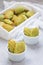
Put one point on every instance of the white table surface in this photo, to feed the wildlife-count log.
(34, 55)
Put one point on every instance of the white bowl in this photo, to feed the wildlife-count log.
(31, 40)
(17, 57)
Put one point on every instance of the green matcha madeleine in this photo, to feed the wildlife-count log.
(27, 31)
(24, 13)
(11, 45)
(8, 14)
(7, 27)
(8, 21)
(1, 17)
(30, 13)
(15, 20)
(21, 18)
(20, 9)
(14, 17)
(35, 32)
(20, 47)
